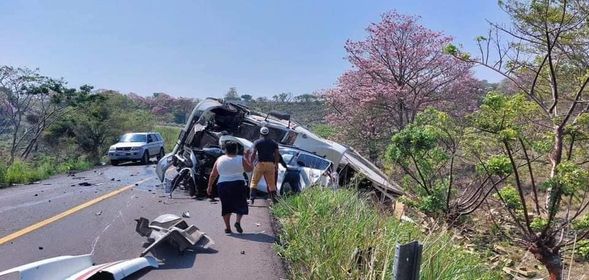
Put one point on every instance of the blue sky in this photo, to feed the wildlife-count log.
(201, 48)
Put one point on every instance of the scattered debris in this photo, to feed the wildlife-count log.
(521, 272)
(174, 230)
(99, 213)
(36, 194)
(50, 200)
(79, 267)
(258, 224)
(243, 252)
(186, 214)
(118, 180)
(112, 179)
(100, 173)
(85, 184)
(40, 248)
(136, 184)
(500, 249)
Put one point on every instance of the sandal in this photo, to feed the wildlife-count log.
(228, 230)
(238, 227)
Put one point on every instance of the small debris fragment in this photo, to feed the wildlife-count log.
(258, 224)
(72, 185)
(85, 184)
(159, 201)
(118, 180)
(50, 200)
(36, 194)
(243, 252)
(112, 179)
(99, 213)
(186, 214)
(40, 248)
(136, 184)
(100, 173)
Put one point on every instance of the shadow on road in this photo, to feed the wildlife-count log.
(256, 237)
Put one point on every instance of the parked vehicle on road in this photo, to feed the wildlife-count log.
(137, 146)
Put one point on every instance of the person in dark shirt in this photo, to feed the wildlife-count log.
(266, 152)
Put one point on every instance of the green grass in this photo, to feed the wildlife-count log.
(170, 134)
(322, 230)
(21, 172)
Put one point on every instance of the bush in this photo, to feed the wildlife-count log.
(336, 235)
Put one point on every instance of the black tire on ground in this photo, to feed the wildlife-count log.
(160, 155)
(286, 189)
(114, 162)
(145, 158)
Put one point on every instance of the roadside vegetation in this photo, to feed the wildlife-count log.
(170, 134)
(326, 234)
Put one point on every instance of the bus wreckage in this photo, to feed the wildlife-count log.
(214, 121)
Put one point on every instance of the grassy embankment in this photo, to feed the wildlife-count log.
(21, 172)
(170, 134)
(328, 234)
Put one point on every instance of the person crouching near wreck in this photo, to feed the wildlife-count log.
(267, 154)
(231, 186)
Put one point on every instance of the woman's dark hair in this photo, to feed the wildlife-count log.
(231, 148)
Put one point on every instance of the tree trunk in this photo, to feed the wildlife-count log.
(555, 159)
(550, 259)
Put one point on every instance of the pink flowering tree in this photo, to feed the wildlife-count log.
(397, 71)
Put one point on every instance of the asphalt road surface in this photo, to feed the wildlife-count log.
(94, 211)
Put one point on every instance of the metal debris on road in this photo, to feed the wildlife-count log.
(186, 214)
(243, 252)
(99, 213)
(173, 230)
(79, 267)
(85, 184)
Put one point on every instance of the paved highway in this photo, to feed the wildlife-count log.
(94, 211)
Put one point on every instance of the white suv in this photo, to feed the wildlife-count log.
(138, 146)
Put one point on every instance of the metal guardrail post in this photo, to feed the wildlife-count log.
(407, 261)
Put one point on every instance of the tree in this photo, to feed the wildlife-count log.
(429, 154)
(247, 98)
(305, 98)
(397, 71)
(30, 103)
(99, 123)
(232, 95)
(545, 56)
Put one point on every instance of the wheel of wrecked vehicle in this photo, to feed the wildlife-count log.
(160, 155)
(114, 162)
(145, 159)
(286, 189)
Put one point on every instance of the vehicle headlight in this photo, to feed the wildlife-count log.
(136, 148)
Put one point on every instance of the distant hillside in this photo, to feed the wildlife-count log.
(308, 113)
